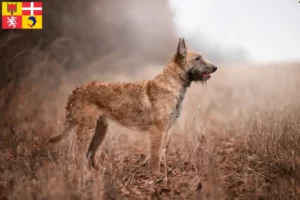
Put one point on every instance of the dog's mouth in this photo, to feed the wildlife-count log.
(198, 76)
(205, 76)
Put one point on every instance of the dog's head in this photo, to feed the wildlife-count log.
(194, 65)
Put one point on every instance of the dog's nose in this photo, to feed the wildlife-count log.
(214, 68)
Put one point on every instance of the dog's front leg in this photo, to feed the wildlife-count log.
(156, 138)
(165, 145)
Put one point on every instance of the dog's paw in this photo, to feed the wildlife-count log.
(146, 160)
(93, 165)
(96, 166)
(156, 174)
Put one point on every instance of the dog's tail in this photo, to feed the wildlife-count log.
(59, 137)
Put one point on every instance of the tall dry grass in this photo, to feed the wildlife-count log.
(237, 138)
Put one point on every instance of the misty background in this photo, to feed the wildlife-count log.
(101, 40)
(257, 31)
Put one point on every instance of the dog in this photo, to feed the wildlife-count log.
(150, 106)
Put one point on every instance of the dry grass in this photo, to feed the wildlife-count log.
(238, 138)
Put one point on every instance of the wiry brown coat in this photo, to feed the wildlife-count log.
(151, 106)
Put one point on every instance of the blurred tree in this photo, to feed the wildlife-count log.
(75, 32)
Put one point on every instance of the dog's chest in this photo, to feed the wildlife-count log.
(176, 107)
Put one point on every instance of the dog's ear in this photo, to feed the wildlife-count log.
(181, 49)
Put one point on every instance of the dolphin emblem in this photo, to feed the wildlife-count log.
(33, 19)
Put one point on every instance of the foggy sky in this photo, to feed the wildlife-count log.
(269, 30)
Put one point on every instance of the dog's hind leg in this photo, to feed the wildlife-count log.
(97, 139)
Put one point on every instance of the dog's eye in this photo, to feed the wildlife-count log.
(198, 58)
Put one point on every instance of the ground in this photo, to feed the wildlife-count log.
(237, 138)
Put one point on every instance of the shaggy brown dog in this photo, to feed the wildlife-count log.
(151, 106)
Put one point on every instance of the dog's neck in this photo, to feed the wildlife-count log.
(176, 82)
(172, 71)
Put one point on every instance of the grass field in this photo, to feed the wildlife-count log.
(237, 138)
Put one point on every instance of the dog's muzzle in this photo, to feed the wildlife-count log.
(214, 68)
